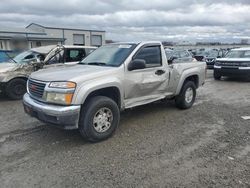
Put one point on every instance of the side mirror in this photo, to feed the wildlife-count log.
(171, 60)
(137, 64)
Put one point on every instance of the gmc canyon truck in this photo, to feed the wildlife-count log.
(90, 95)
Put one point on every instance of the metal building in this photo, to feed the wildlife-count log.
(35, 35)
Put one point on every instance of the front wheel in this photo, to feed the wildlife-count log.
(99, 119)
(16, 88)
(217, 76)
(187, 96)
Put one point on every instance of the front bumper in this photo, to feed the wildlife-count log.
(210, 65)
(66, 117)
(232, 72)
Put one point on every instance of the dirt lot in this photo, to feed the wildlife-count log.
(156, 145)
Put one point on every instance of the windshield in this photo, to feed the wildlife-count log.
(109, 55)
(25, 56)
(211, 53)
(238, 54)
(169, 53)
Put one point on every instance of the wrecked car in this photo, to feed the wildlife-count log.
(15, 72)
(90, 95)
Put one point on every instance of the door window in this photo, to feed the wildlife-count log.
(73, 55)
(151, 55)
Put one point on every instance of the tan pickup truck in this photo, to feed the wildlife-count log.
(90, 95)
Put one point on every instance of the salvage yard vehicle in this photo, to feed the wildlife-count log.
(90, 95)
(15, 72)
(180, 56)
(212, 55)
(235, 64)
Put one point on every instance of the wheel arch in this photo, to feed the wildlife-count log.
(110, 92)
(190, 77)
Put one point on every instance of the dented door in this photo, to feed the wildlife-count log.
(146, 85)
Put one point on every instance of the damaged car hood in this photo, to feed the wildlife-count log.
(5, 67)
(72, 73)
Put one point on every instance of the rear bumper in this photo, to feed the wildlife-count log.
(66, 117)
(232, 72)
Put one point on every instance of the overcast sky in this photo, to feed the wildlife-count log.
(169, 20)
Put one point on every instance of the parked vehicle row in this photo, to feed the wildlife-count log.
(15, 72)
(90, 95)
(76, 88)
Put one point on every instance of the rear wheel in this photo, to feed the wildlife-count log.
(16, 88)
(187, 96)
(99, 119)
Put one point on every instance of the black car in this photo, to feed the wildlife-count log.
(211, 55)
(235, 64)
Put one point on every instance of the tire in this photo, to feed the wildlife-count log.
(16, 88)
(92, 130)
(183, 102)
(217, 76)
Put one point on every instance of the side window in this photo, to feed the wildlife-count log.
(31, 56)
(73, 55)
(151, 55)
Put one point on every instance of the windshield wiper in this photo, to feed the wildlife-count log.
(10, 57)
(98, 64)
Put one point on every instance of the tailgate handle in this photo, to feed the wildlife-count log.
(159, 72)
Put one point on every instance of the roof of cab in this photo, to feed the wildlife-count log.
(241, 49)
(138, 42)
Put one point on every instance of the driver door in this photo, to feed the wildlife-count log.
(56, 60)
(149, 84)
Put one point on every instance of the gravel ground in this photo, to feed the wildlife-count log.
(156, 145)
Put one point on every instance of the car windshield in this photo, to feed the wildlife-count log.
(109, 55)
(211, 53)
(238, 54)
(169, 53)
(24, 57)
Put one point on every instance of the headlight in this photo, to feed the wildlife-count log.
(63, 93)
(59, 98)
(63, 85)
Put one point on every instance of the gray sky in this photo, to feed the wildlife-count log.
(171, 20)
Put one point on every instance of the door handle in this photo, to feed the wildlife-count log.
(159, 72)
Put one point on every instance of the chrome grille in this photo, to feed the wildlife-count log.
(36, 88)
(231, 64)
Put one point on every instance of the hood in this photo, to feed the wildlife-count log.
(234, 59)
(5, 67)
(71, 73)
